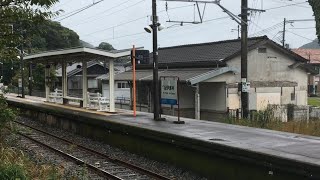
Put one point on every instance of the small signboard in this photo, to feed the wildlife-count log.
(169, 90)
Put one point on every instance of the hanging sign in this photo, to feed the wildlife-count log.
(169, 90)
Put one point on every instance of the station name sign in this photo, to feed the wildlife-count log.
(169, 90)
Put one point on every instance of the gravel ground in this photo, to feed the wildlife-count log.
(162, 168)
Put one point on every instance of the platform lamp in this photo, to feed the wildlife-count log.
(153, 28)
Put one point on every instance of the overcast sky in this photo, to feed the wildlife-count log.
(108, 22)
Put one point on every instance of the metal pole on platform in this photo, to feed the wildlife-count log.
(156, 112)
(134, 81)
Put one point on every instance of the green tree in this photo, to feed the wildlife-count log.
(6, 114)
(315, 4)
(105, 46)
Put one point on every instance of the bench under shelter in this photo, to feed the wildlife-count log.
(64, 57)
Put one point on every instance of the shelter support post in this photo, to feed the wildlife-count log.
(64, 80)
(111, 86)
(47, 78)
(197, 102)
(84, 83)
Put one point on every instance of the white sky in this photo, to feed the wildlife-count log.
(95, 24)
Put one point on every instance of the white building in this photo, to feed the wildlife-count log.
(210, 73)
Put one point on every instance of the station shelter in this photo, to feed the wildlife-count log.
(64, 57)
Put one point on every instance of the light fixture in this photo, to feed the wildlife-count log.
(161, 27)
(148, 29)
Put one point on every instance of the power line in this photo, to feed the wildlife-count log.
(304, 28)
(267, 30)
(118, 25)
(300, 35)
(284, 2)
(135, 34)
(130, 21)
(63, 4)
(80, 10)
(95, 19)
(285, 6)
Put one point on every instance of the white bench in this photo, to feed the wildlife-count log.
(67, 99)
(96, 101)
(56, 96)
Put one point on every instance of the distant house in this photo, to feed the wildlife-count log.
(74, 73)
(313, 57)
(209, 74)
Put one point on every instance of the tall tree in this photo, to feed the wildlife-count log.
(17, 19)
(315, 4)
(106, 46)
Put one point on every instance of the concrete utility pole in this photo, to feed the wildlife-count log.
(22, 67)
(285, 21)
(156, 94)
(284, 33)
(244, 58)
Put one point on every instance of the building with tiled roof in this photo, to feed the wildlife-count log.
(209, 74)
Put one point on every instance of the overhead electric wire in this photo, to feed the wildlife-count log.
(130, 21)
(100, 13)
(80, 10)
(63, 4)
(300, 35)
(266, 30)
(135, 34)
(304, 28)
(95, 19)
(285, 2)
(285, 6)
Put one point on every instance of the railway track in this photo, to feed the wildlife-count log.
(98, 163)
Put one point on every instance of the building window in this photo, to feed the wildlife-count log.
(74, 84)
(262, 50)
(123, 85)
(92, 83)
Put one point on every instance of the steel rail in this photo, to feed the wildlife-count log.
(75, 159)
(114, 160)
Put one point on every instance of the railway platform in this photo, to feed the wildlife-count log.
(213, 149)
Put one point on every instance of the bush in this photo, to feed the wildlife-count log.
(6, 114)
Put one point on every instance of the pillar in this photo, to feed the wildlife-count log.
(46, 78)
(64, 79)
(111, 87)
(197, 102)
(84, 83)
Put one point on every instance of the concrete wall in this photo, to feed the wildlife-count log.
(118, 92)
(213, 96)
(273, 66)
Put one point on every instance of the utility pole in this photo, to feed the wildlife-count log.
(284, 33)
(21, 71)
(285, 21)
(244, 59)
(156, 95)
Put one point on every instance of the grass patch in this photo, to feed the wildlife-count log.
(311, 127)
(314, 101)
(15, 165)
(266, 120)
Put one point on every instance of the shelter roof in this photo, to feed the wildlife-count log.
(76, 55)
(187, 75)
